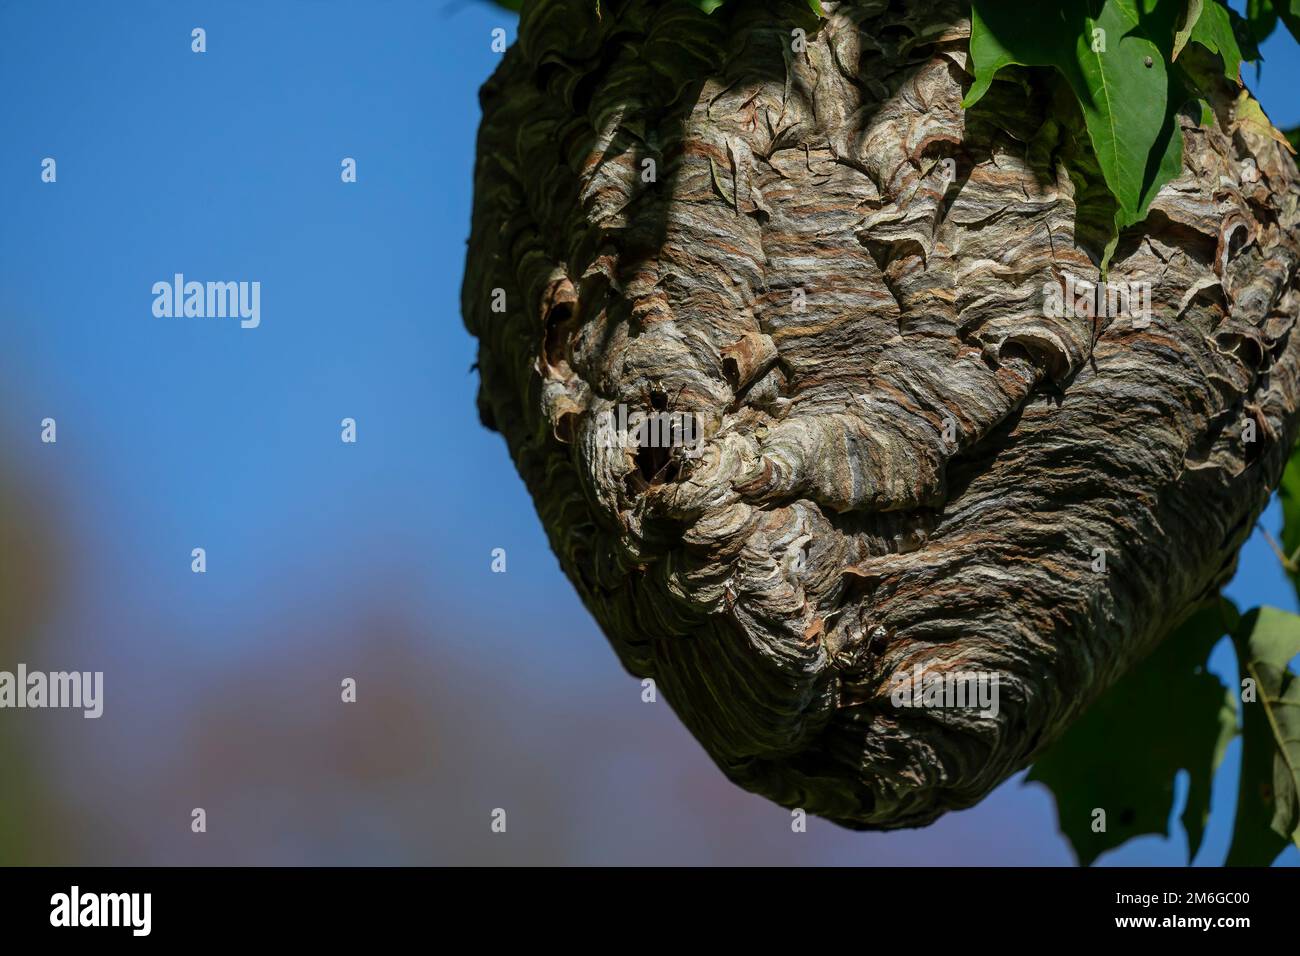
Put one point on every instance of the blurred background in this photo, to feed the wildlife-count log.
(326, 560)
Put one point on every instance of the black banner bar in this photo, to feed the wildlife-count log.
(209, 905)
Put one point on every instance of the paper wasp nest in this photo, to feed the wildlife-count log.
(914, 444)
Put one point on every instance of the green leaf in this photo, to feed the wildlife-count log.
(1126, 103)
(1268, 801)
(1262, 18)
(1242, 30)
(1289, 11)
(1288, 493)
(1207, 114)
(1213, 30)
(1190, 18)
(1293, 136)
(1122, 756)
(1249, 116)
(1258, 25)
(1169, 147)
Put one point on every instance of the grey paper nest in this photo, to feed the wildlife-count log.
(840, 275)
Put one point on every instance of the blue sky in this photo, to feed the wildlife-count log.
(176, 434)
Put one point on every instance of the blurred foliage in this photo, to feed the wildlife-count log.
(25, 591)
(1268, 801)
(1167, 714)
